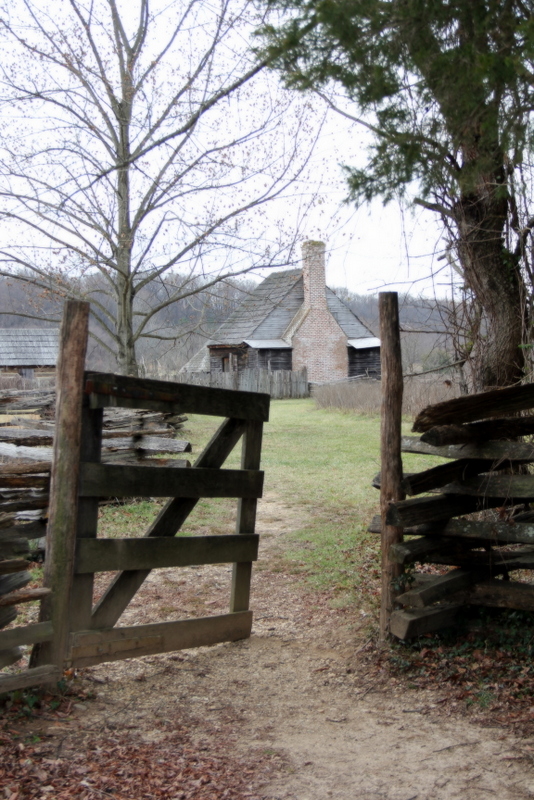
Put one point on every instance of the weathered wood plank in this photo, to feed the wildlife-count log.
(474, 432)
(246, 518)
(30, 438)
(30, 677)
(21, 452)
(138, 434)
(440, 476)
(10, 565)
(81, 606)
(63, 513)
(490, 451)
(7, 615)
(479, 406)
(27, 634)
(24, 481)
(109, 480)
(498, 561)
(170, 519)
(94, 647)
(11, 656)
(10, 583)
(500, 594)
(489, 531)
(175, 397)
(520, 487)
(149, 444)
(10, 548)
(25, 504)
(441, 587)
(27, 531)
(24, 596)
(25, 469)
(494, 532)
(99, 555)
(391, 486)
(408, 623)
(440, 506)
(6, 521)
(408, 552)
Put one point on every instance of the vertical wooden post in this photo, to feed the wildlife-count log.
(63, 509)
(246, 517)
(81, 605)
(390, 444)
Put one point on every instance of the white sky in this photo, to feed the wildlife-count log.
(370, 249)
(373, 248)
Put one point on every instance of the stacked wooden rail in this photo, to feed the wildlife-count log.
(26, 447)
(487, 471)
(14, 579)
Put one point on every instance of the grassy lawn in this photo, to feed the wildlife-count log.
(324, 461)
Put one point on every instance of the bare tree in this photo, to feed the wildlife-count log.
(141, 141)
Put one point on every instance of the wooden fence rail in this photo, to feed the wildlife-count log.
(484, 471)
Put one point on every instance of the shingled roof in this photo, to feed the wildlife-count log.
(28, 347)
(267, 313)
(263, 313)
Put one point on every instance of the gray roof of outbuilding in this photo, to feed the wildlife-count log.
(267, 313)
(261, 313)
(28, 347)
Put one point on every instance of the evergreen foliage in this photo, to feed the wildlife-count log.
(446, 87)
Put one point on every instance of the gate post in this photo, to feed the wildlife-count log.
(390, 445)
(63, 509)
(246, 516)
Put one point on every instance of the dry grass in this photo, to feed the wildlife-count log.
(364, 396)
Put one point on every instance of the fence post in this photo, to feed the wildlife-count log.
(246, 516)
(390, 445)
(63, 509)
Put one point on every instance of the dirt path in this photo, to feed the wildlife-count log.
(293, 699)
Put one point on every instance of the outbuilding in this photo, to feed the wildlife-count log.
(25, 351)
(290, 321)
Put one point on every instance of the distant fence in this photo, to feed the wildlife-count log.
(280, 384)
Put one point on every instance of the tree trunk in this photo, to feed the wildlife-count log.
(126, 358)
(492, 273)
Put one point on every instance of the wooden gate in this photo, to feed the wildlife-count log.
(83, 633)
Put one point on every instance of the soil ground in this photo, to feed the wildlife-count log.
(297, 708)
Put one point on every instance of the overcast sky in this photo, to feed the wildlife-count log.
(373, 248)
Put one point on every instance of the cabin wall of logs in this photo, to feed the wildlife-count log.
(471, 517)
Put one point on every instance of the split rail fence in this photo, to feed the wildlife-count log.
(72, 630)
(473, 514)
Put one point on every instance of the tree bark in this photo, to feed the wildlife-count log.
(492, 273)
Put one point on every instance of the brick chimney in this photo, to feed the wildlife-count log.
(313, 273)
(318, 342)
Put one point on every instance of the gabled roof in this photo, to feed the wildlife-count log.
(29, 347)
(267, 315)
(260, 315)
(269, 310)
